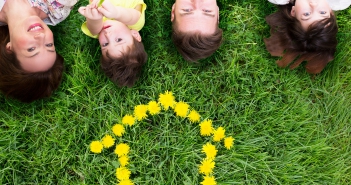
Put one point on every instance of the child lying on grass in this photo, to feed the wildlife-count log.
(304, 30)
(116, 23)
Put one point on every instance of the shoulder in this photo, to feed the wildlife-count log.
(280, 2)
(339, 4)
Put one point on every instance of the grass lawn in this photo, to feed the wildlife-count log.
(289, 127)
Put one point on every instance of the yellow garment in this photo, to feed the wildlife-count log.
(126, 4)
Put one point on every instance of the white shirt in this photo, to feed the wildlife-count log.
(334, 4)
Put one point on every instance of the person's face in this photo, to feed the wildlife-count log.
(115, 38)
(33, 43)
(309, 11)
(196, 15)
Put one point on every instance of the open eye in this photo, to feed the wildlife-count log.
(307, 14)
(104, 44)
(31, 49)
(323, 12)
(118, 39)
(207, 11)
(49, 45)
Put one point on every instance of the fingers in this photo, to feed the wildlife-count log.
(103, 11)
(81, 10)
(94, 3)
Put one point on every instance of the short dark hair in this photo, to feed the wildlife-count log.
(316, 45)
(20, 84)
(125, 70)
(194, 46)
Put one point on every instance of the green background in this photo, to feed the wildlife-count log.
(290, 127)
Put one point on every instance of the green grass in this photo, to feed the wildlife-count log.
(289, 127)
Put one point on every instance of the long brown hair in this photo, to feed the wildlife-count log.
(316, 45)
(20, 84)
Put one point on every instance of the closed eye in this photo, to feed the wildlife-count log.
(186, 10)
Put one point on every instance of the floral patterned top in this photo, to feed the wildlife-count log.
(57, 10)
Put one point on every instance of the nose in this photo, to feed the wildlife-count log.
(39, 35)
(313, 3)
(107, 33)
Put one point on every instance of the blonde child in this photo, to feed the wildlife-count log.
(116, 23)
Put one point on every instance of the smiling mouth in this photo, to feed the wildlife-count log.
(105, 27)
(35, 27)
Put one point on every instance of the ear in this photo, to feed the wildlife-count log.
(172, 12)
(218, 15)
(136, 35)
(8, 47)
(293, 13)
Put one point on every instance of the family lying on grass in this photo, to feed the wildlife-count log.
(31, 69)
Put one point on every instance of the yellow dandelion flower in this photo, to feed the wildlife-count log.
(122, 149)
(125, 182)
(218, 134)
(108, 141)
(209, 180)
(210, 150)
(207, 166)
(122, 173)
(118, 129)
(123, 160)
(128, 120)
(153, 107)
(140, 112)
(167, 100)
(181, 109)
(228, 142)
(96, 147)
(206, 128)
(194, 116)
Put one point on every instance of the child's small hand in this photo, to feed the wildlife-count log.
(90, 12)
(108, 10)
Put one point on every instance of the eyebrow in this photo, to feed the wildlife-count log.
(53, 51)
(188, 13)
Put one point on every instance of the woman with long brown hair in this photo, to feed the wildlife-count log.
(30, 68)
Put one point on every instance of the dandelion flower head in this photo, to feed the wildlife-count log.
(206, 128)
(126, 182)
(108, 141)
(140, 112)
(118, 130)
(210, 150)
(209, 180)
(228, 142)
(207, 166)
(128, 120)
(167, 100)
(122, 173)
(96, 147)
(181, 109)
(122, 149)
(153, 107)
(123, 160)
(194, 116)
(218, 134)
